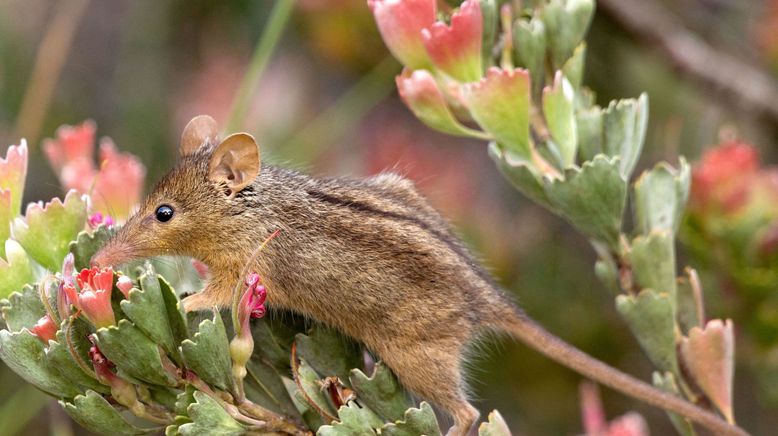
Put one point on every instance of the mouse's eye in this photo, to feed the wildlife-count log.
(164, 213)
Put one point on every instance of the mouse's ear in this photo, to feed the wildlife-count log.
(199, 131)
(235, 161)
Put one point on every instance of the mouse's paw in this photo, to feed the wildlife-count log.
(198, 301)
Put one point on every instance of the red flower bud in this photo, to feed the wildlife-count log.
(45, 329)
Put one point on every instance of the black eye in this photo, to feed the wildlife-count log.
(164, 213)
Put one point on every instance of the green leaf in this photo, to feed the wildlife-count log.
(650, 318)
(175, 311)
(208, 353)
(495, 426)
(667, 383)
(16, 271)
(208, 417)
(381, 392)
(146, 308)
(574, 67)
(352, 420)
(265, 386)
(24, 310)
(500, 104)
(87, 243)
(624, 130)
(184, 399)
(329, 353)
(46, 231)
(520, 174)
(134, 353)
(416, 422)
(529, 43)
(310, 385)
(311, 417)
(689, 301)
(592, 198)
(660, 197)
(94, 413)
(566, 24)
(25, 355)
(558, 104)
(272, 342)
(653, 262)
(590, 135)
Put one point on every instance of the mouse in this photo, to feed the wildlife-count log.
(369, 257)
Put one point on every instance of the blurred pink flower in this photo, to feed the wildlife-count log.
(722, 179)
(115, 186)
(400, 23)
(73, 142)
(252, 303)
(92, 295)
(45, 329)
(594, 421)
(456, 49)
(98, 218)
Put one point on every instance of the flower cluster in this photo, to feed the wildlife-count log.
(115, 184)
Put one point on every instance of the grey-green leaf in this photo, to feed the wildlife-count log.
(134, 353)
(624, 130)
(653, 262)
(381, 392)
(24, 309)
(520, 174)
(558, 105)
(660, 197)
(592, 198)
(415, 422)
(650, 318)
(146, 308)
(208, 417)
(208, 353)
(328, 352)
(25, 354)
(352, 420)
(86, 245)
(94, 413)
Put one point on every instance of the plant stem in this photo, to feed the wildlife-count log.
(274, 27)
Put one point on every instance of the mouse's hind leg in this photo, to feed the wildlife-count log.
(432, 370)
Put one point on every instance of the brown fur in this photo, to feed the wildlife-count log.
(368, 257)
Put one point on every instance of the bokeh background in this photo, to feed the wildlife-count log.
(327, 104)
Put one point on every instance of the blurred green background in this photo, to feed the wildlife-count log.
(327, 104)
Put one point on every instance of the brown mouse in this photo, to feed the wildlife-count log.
(369, 257)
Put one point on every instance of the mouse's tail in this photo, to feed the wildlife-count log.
(535, 336)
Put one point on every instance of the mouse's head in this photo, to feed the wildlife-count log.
(195, 207)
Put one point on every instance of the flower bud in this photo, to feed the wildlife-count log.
(125, 285)
(45, 329)
(456, 49)
(400, 23)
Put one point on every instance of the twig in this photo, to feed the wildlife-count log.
(49, 60)
(747, 85)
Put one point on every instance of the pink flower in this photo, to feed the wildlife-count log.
(45, 329)
(13, 173)
(93, 296)
(595, 424)
(456, 49)
(400, 23)
(119, 183)
(97, 218)
(72, 143)
(115, 186)
(125, 285)
(252, 303)
(423, 96)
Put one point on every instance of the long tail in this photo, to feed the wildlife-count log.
(535, 336)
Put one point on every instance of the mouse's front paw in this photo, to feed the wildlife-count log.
(196, 302)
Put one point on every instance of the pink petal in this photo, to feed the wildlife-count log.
(125, 285)
(119, 184)
(630, 424)
(456, 49)
(400, 23)
(708, 354)
(96, 305)
(591, 409)
(72, 142)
